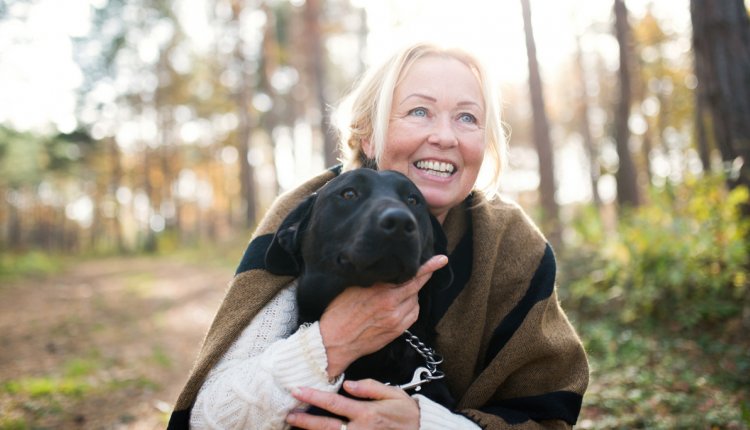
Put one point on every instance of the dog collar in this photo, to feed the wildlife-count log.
(423, 374)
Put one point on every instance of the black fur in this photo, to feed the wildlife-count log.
(363, 227)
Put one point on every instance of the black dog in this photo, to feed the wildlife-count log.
(363, 227)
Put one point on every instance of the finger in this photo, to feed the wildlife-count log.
(330, 402)
(433, 264)
(373, 390)
(424, 273)
(312, 422)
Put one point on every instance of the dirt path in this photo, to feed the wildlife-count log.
(106, 344)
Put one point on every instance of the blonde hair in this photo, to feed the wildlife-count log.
(363, 114)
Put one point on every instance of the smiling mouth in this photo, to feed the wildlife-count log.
(437, 168)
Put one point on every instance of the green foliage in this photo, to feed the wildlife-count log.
(10, 423)
(658, 302)
(161, 358)
(22, 158)
(82, 367)
(25, 158)
(29, 400)
(75, 380)
(33, 263)
(681, 259)
(662, 380)
(47, 386)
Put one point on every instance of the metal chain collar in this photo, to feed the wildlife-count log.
(430, 372)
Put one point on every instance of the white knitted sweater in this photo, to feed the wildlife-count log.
(249, 388)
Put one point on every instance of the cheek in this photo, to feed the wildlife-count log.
(397, 154)
(474, 153)
(403, 137)
(394, 162)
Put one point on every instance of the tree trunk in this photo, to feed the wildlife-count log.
(541, 134)
(588, 141)
(316, 61)
(721, 43)
(701, 136)
(150, 244)
(242, 98)
(115, 181)
(14, 226)
(247, 174)
(4, 220)
(627, 183)
(270, 61)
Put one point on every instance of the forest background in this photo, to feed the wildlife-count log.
(141, 141)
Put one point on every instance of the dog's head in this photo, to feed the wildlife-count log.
(362, 227)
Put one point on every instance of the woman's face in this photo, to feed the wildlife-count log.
(436, 131)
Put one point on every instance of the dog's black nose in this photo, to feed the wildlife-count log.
(397, 221)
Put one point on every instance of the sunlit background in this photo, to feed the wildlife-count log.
(39, 76)
(142, 140)
(41, 79)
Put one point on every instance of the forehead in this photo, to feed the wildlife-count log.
(437, 76)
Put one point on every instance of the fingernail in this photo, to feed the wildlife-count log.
(296, 391)
(350, 384)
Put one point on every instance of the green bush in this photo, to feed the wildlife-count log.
(33, 263)
(682, 258)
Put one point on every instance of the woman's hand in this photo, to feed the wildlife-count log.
(360, 321)
(384, 407)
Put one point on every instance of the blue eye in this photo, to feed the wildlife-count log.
(420, 112)
(468, 118)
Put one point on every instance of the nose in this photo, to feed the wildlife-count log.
(443, 133)
(397, 221)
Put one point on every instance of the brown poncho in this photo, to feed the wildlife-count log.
(512, 359)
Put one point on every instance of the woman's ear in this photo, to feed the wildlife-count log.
(367, 148)
(367, 155)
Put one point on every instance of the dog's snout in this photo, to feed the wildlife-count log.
(397, 221)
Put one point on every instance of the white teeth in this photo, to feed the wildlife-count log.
(436, 167)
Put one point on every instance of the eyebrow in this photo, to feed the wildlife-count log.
(433, 99)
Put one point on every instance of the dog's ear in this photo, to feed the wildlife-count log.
(443, 277)
(284, 254)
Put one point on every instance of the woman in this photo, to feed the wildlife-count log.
(511, 357)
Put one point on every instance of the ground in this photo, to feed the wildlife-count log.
(105, 344)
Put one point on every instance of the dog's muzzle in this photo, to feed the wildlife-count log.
(397, 222)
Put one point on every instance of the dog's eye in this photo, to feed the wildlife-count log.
(349, 194)
(412, 200)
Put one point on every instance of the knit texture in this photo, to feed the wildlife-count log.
(434, 416)
(512, 359)
(250, 386)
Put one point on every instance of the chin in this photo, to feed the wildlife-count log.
(438, 202)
